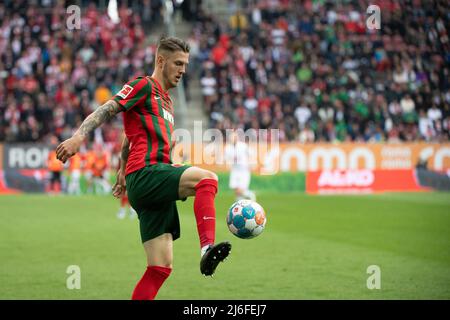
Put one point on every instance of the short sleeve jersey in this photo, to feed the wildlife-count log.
(148, 122)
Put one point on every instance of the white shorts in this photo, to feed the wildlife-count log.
(75, 175)
(240, 179)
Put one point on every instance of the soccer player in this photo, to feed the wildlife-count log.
(75, 174)
(55, 168)
(89, 159)
(152, 182)
(237, 156)
(99, 169)
(97, 164)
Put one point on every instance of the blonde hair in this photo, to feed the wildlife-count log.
(172, 44)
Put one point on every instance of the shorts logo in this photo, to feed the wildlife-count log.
(126, 90)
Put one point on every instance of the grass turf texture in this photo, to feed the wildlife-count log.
(314, 247)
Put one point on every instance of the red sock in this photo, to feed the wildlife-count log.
(151, 281)
(205, 212)
(123, 200)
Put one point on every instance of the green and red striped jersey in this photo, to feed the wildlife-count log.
(148, 122)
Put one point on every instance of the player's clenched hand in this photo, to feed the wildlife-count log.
(119, 188)
(68, 148)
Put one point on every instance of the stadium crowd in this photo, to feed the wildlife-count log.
(315, 71)
(309, 68)
(52, 76)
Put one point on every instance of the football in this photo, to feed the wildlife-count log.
(246, 219)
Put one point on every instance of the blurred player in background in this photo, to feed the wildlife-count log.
(89, 159)
(100, 169)
(237, 155)
(55, 167)
(97, 170)
(75, 168)
(152, 181)
(124, 205)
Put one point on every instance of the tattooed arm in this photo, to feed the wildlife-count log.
(118, 188)
(96, 118)
(103, 113)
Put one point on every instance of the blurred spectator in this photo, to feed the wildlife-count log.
(238, 22)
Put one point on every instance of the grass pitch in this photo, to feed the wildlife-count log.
(314, 247)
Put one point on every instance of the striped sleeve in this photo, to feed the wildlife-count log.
(132, 94)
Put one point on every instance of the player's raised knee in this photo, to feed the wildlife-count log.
(209, 175)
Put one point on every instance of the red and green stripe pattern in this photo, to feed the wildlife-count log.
(147, 123)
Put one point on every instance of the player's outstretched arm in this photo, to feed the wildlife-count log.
(102, 114)
(119, 187)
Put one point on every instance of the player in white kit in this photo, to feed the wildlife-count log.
(238, 158)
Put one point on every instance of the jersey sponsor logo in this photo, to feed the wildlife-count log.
(126, 90)
(167, 116)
